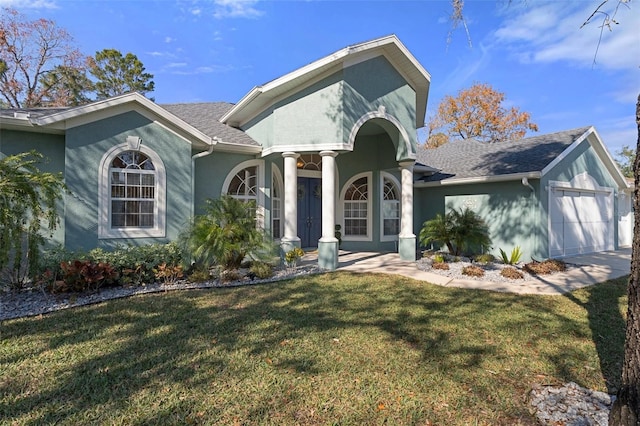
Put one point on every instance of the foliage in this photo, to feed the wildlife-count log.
(66, 86)
(28, 51)
(458, 229)
(485, 258)
(28, 200)
(547, 266)
(168, 274)
(478, 113)
(626, 158)
(512, 259)
(117, 74)
(440, 265)
(225, 234)
(261, 270)
(83, 275)
(435, 140)
(473, 271)
(438, 258)
(511, 273)
(292, 256)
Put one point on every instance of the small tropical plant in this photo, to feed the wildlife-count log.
(261, 270)
(458, 230)
(169, 274)
(292, 256)
(512, 273)
(512, 259)
(473, 271)
(225, 234)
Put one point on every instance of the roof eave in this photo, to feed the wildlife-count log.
(479, 179)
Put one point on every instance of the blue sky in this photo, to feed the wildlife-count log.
(532, 50)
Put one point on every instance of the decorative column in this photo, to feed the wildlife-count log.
(290, 238)
(328, 243)
(407, 239)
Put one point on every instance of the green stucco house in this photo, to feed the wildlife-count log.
(332, 143)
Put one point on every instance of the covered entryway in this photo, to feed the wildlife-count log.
(581, 220)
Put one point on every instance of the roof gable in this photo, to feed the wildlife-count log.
(261, 97)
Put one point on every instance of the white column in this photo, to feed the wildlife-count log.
(328, 195)
(328, 244)
(407, 239)
(290, 237)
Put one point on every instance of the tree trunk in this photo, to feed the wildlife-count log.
(626, 409)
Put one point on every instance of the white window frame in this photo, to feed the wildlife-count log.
(388, 176)
(105, 230)
(260, 187)
(345, 236)
(276, 177)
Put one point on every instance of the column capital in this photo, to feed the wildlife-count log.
(328, 154)
(405, 164)
(291, 154)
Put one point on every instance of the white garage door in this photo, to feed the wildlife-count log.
(581, 221)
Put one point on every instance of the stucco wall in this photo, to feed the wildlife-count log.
(52, 148)
(509, 209)
(87, 144)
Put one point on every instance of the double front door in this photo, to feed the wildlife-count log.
(309, 211)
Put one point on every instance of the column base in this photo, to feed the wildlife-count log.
(407, 248)
(328, 253)
(287, 244)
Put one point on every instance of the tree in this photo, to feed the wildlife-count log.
(477, 113)
(66, 86)
(28, 51)
(626, 159)
(117, 74)
(27, 198)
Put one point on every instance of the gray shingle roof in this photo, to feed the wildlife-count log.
(470, 158)
(204, 117)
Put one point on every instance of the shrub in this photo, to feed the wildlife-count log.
(438, 258)
(514, 258)
(261, 270)
(292, 256)
(548, 266)
(229, 275)
(512, 273)
(82, 275)
(473, 271)
(200, 275)
(168, 274)
(485, 258)
(440, 265)
(225, 234)
(458, 229)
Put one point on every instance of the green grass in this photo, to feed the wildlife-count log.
(338, 348)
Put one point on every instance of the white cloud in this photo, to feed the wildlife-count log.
(550, 32)
(169, 39)
(176, 65)
(202, 69)
(236, 9)
(29, 4)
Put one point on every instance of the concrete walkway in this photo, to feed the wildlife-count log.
(586, 270)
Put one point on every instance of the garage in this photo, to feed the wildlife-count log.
(581, 219)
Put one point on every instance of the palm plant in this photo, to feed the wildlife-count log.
(225, 234)
(458, 229)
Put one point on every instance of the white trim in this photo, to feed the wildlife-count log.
(302, 148)
(369, 236)
(277, 176)
(381, 113)
(481, 179)
(76, 116)
(582, 182)
(260, 186)
(601, 151)
(386, 175)
(104, 198)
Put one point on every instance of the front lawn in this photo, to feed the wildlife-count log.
(338, 348)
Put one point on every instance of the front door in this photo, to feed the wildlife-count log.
(309, 211)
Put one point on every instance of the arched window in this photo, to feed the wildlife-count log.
(276, 203)
(246, 182)
(132, 194)
(390, 207)
(356, 208)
